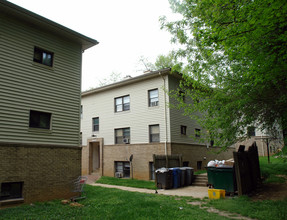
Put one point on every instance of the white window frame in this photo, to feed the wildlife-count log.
(122, 103)
(153, 98)
(125, 138)
(154, 137)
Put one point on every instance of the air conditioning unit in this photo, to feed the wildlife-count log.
(119, 175)
(154, 103)
(126, 140)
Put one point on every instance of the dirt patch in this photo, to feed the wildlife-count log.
(271, 191)
(219, 212)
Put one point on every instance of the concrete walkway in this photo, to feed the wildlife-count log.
(193, 191)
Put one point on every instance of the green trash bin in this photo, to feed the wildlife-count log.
(224, 178)
(211, 175)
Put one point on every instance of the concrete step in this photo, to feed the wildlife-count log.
(200, 180)
(93, 177)
(199, 184)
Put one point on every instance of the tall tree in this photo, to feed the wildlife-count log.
(162, 61)
(237, 60)
(112, 78)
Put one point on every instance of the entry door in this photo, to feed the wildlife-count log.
(94, 157)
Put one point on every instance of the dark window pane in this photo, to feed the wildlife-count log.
(37, 55)
(197, 132)
(43, 56)
(183, 130)
(11, 190)
(126, 106)
(96, 124)
(251, 131)
(40, 120)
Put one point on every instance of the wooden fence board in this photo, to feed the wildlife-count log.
(247, 169)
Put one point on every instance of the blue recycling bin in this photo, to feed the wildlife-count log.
(176, 177)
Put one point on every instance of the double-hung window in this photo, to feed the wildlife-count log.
(122, 136)
(122, 103)
(96, 124)
(154, 133)
(43, 56)
(153, 97)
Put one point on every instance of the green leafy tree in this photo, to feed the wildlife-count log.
(162, 62)
(112, 78)
(236, 55)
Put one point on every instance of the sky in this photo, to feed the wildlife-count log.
(125, 29)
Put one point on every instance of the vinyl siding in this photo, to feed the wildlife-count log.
(26, 85)
(177, 119)
(138, 118)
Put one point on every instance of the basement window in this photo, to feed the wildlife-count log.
(122, 169)
(11, 190)
(43, 56)
(40, 120)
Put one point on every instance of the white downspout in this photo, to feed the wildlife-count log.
(165, 115)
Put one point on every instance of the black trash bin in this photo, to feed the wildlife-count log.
(163, 178)
(183, 176)
(189, 175)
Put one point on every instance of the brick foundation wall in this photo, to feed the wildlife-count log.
(85, 160)
(194, 153)
(142, 155)
(47, 172)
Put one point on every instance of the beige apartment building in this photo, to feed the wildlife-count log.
(124, 124)
(268, 143)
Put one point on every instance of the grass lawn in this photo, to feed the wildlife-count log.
(273, 171)
(127, 182)
(106, 203)
(266, 209)
(263, 210)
